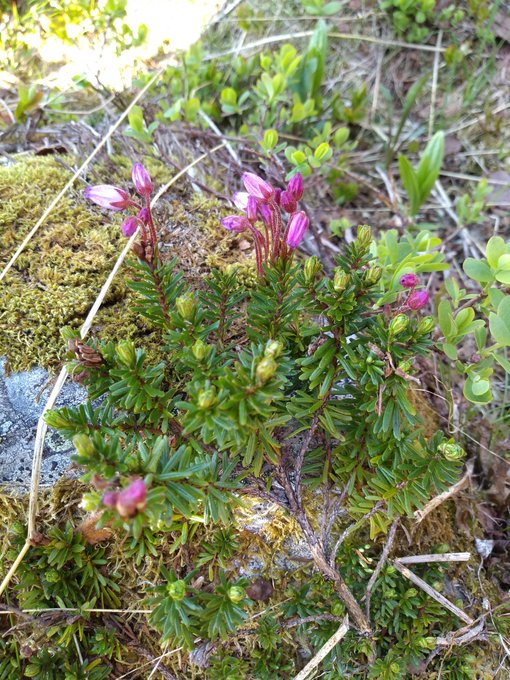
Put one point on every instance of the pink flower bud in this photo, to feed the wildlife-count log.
(144, 215)
(240, 200)
(236, 223)
(409, 280)
(288, 202)
(295, 186)
(132, 498)
(110, 499)
(266, 213)
(108, 196)
(257, 187)
(417, 299)
(251, 209)
(298, 224)
(142, 180)
(277, 195)
(129, 226)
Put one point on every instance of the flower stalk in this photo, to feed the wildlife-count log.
(261, 202)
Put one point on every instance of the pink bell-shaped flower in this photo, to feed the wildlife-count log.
(108, 196)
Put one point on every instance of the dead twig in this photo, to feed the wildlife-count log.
(432, 592)
(463, 482)
(382, 561)
(463, 636)
(324, 651)
(445, 557)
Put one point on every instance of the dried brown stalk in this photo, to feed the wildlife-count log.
(463, 482)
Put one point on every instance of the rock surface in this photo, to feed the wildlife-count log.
(22, 399)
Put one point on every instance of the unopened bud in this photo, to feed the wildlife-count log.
(199, 350)
(399, 324)
(372, 275)
(83, 445)
(52, 576)
(186, 306)
(126, 352)
(426, 325)
(206, 398)
(266, 369)
(132, 498)
(450, 450)
(288, 202)
(340, 281)
(417, 299)
(110, 499)
(273, 349)
(312, 267)
(364, 235)
(409, 280)
(177, 590)
(295, 186)
(236, 594)
(142, 180)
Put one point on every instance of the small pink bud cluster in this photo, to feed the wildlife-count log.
(261, 202)
(128, 501)
(416, 298)
(114, 198)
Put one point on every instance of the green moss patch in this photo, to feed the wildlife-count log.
(56, 279)
(58, 276)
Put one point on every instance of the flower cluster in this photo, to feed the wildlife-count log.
(416, 298)
(264, 205)
(128, 501)
(114, 198)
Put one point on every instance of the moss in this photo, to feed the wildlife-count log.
(58, 276)
(55, 280)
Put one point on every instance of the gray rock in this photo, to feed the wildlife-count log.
(22, 399)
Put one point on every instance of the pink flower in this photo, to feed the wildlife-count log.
(277, 195)
(110, 499)
(297, 226)
(257, 187)
(295, 186)
(129, 226)
(409, 280)
(240, 200)
(132, 498)
(236, 223)
(142, 180)
(251, 209)
(266, 213)
(108, 196)
(288, 202)
(144, 215)
(417, 299)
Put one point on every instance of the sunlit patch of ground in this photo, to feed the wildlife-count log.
(172, 25)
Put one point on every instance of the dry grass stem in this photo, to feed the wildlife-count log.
(324, 651)
(445, 557)
(435, 73)
(94, 153)
(380, 564)
(463, 482)
(339, 36)
(432, 592)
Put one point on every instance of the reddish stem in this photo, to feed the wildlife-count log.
(277, 230)
(258, 251)
(152, 229)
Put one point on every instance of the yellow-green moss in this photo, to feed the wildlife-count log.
(55, 280)
(58, 276)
